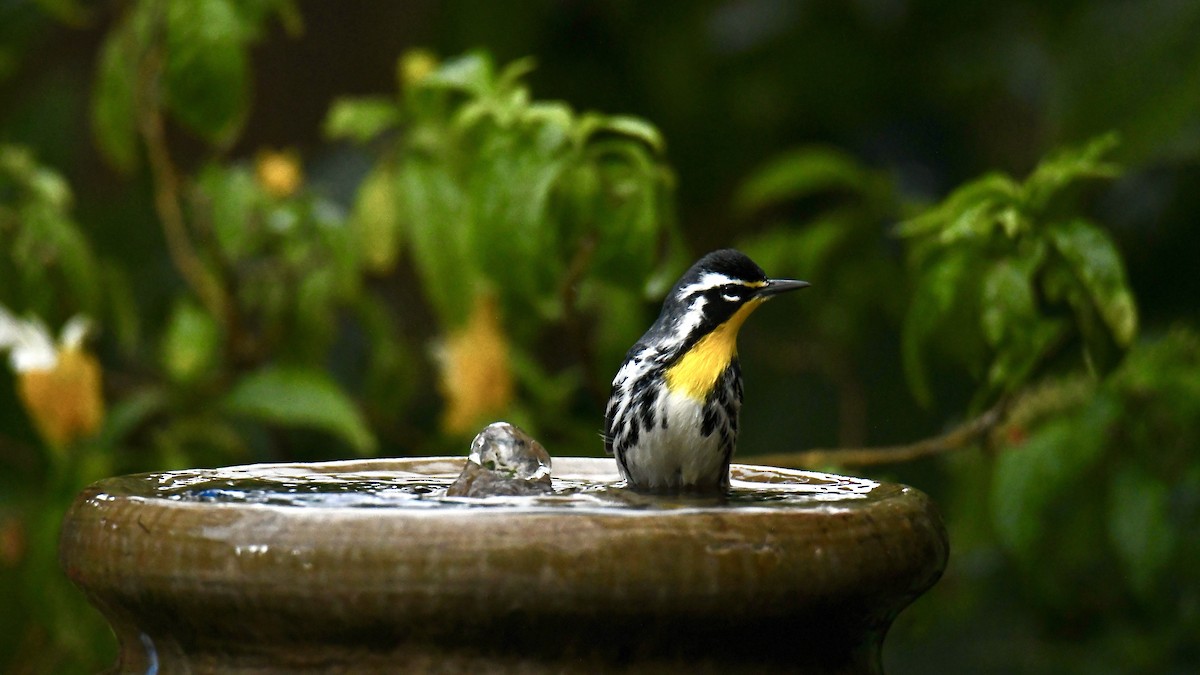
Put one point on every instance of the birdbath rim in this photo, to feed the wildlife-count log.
(194, 584)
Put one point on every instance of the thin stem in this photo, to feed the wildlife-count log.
(166, 193)
(963, 436)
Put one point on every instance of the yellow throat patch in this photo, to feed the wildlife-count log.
(695, 373)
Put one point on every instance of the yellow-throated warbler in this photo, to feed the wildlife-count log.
(672, 419)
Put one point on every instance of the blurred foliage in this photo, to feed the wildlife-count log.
(190, 58)
(525, 211)
(523, 222)
(294, 250)
(497, 193)
(47, 257)
(1145, 421)
(1005, 271)
(1076, 533)
(822, 216)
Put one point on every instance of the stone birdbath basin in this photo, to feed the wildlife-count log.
(367, 566)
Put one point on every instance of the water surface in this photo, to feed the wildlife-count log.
(578, 483)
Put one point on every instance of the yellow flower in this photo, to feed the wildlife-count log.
(476, 379)
(59, 385)
(415, 65)
(278, 173)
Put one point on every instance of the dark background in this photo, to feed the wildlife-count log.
(930, 93)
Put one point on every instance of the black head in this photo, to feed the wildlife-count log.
(729, 262)
(713, 290)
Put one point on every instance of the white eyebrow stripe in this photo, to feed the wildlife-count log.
(710, 280)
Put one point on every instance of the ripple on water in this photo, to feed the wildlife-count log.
(302, 487)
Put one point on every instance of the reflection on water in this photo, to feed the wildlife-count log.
(588, 489)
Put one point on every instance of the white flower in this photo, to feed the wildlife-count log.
(60, 385)
(30, 344)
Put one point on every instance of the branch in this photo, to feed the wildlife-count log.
(166, 193)
(958, 438)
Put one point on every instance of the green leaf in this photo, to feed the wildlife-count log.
(975, 221)
(1008, 305)
(1026, 481)
(1012, 326)
(550, 123)
(361, 119)
(470, 73)
(48, 187)
(376, 220)
(231, 197)
(935, 296)
(509, 78)
(965, 208)
(1066, 167)
(1095, 262)
(510, 236)
(1138, 525)
(1168, 366)
(47, 248)
(123, 320)
(801, 173)
(206, 74)
(628, 213)
(436, 214)
(78, 265)
(1030, 480)
(495, 190)
(114, 120)
(625, 126)
(390, 380)
(339, 249)
(301, 397)
(314, 307)
(191, 344)
(1017, 359)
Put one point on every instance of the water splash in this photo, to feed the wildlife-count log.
(504, 461)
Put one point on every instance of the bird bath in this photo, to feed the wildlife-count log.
(366, 566)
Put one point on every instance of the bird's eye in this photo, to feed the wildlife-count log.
(731, 293)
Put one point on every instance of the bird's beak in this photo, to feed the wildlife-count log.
(777, 286)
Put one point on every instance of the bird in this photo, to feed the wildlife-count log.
(672, 418)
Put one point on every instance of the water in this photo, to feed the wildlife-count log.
(504, 460)
(421, 483)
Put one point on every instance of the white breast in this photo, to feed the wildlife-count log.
(677, 455)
